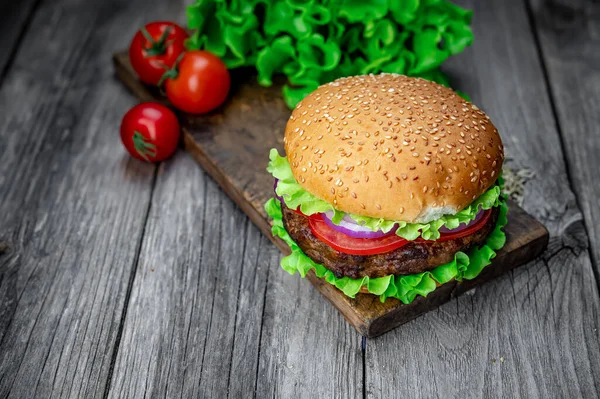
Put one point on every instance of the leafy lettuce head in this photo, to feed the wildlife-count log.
(313, 42)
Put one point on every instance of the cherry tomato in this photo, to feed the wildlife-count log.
(350, 245)
(155, 48)
(150, 132)
(200, 84)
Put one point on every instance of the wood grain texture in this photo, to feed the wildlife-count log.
(14, 16)
(534, 332)
(251, 123)
(200, 322)
(72, 210)
(307, 350)
(180, 328)
(72, 204)
(570, 48)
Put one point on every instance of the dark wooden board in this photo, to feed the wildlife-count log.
(232, 145)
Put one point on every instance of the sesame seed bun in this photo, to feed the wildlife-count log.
(393, 147)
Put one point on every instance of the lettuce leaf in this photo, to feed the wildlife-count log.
(317, 41)
(295, 196)
(405, 288)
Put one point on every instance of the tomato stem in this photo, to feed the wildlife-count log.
(171, 73)
(143, 147)
(157, 47)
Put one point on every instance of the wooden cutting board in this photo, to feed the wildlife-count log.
(232, 145)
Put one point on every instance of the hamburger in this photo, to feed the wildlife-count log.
(390, 186)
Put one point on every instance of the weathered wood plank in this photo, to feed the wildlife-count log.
(72, 204)
(198, 270)
(193, 326)
(533, 333)
(13, 20)
(568, 33)
(307, 348)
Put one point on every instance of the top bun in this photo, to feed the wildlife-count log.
(393, 147)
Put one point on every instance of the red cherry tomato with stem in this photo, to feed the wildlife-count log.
(155, 48)
(150, 132)
(199, 83)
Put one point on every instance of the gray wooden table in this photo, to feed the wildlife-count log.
(122, 279)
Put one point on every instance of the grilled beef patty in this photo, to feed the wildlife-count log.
(414, 257)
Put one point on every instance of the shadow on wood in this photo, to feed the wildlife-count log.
(232, 144)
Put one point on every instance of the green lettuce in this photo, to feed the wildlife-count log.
(295, 196)
(405, 288)
(314, 42)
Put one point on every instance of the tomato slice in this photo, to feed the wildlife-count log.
(469, 230)
(372, 246)
(350, 245)
(297, 211)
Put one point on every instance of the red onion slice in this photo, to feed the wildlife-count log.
(349, 227)
(463, 226)
(280, 198)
